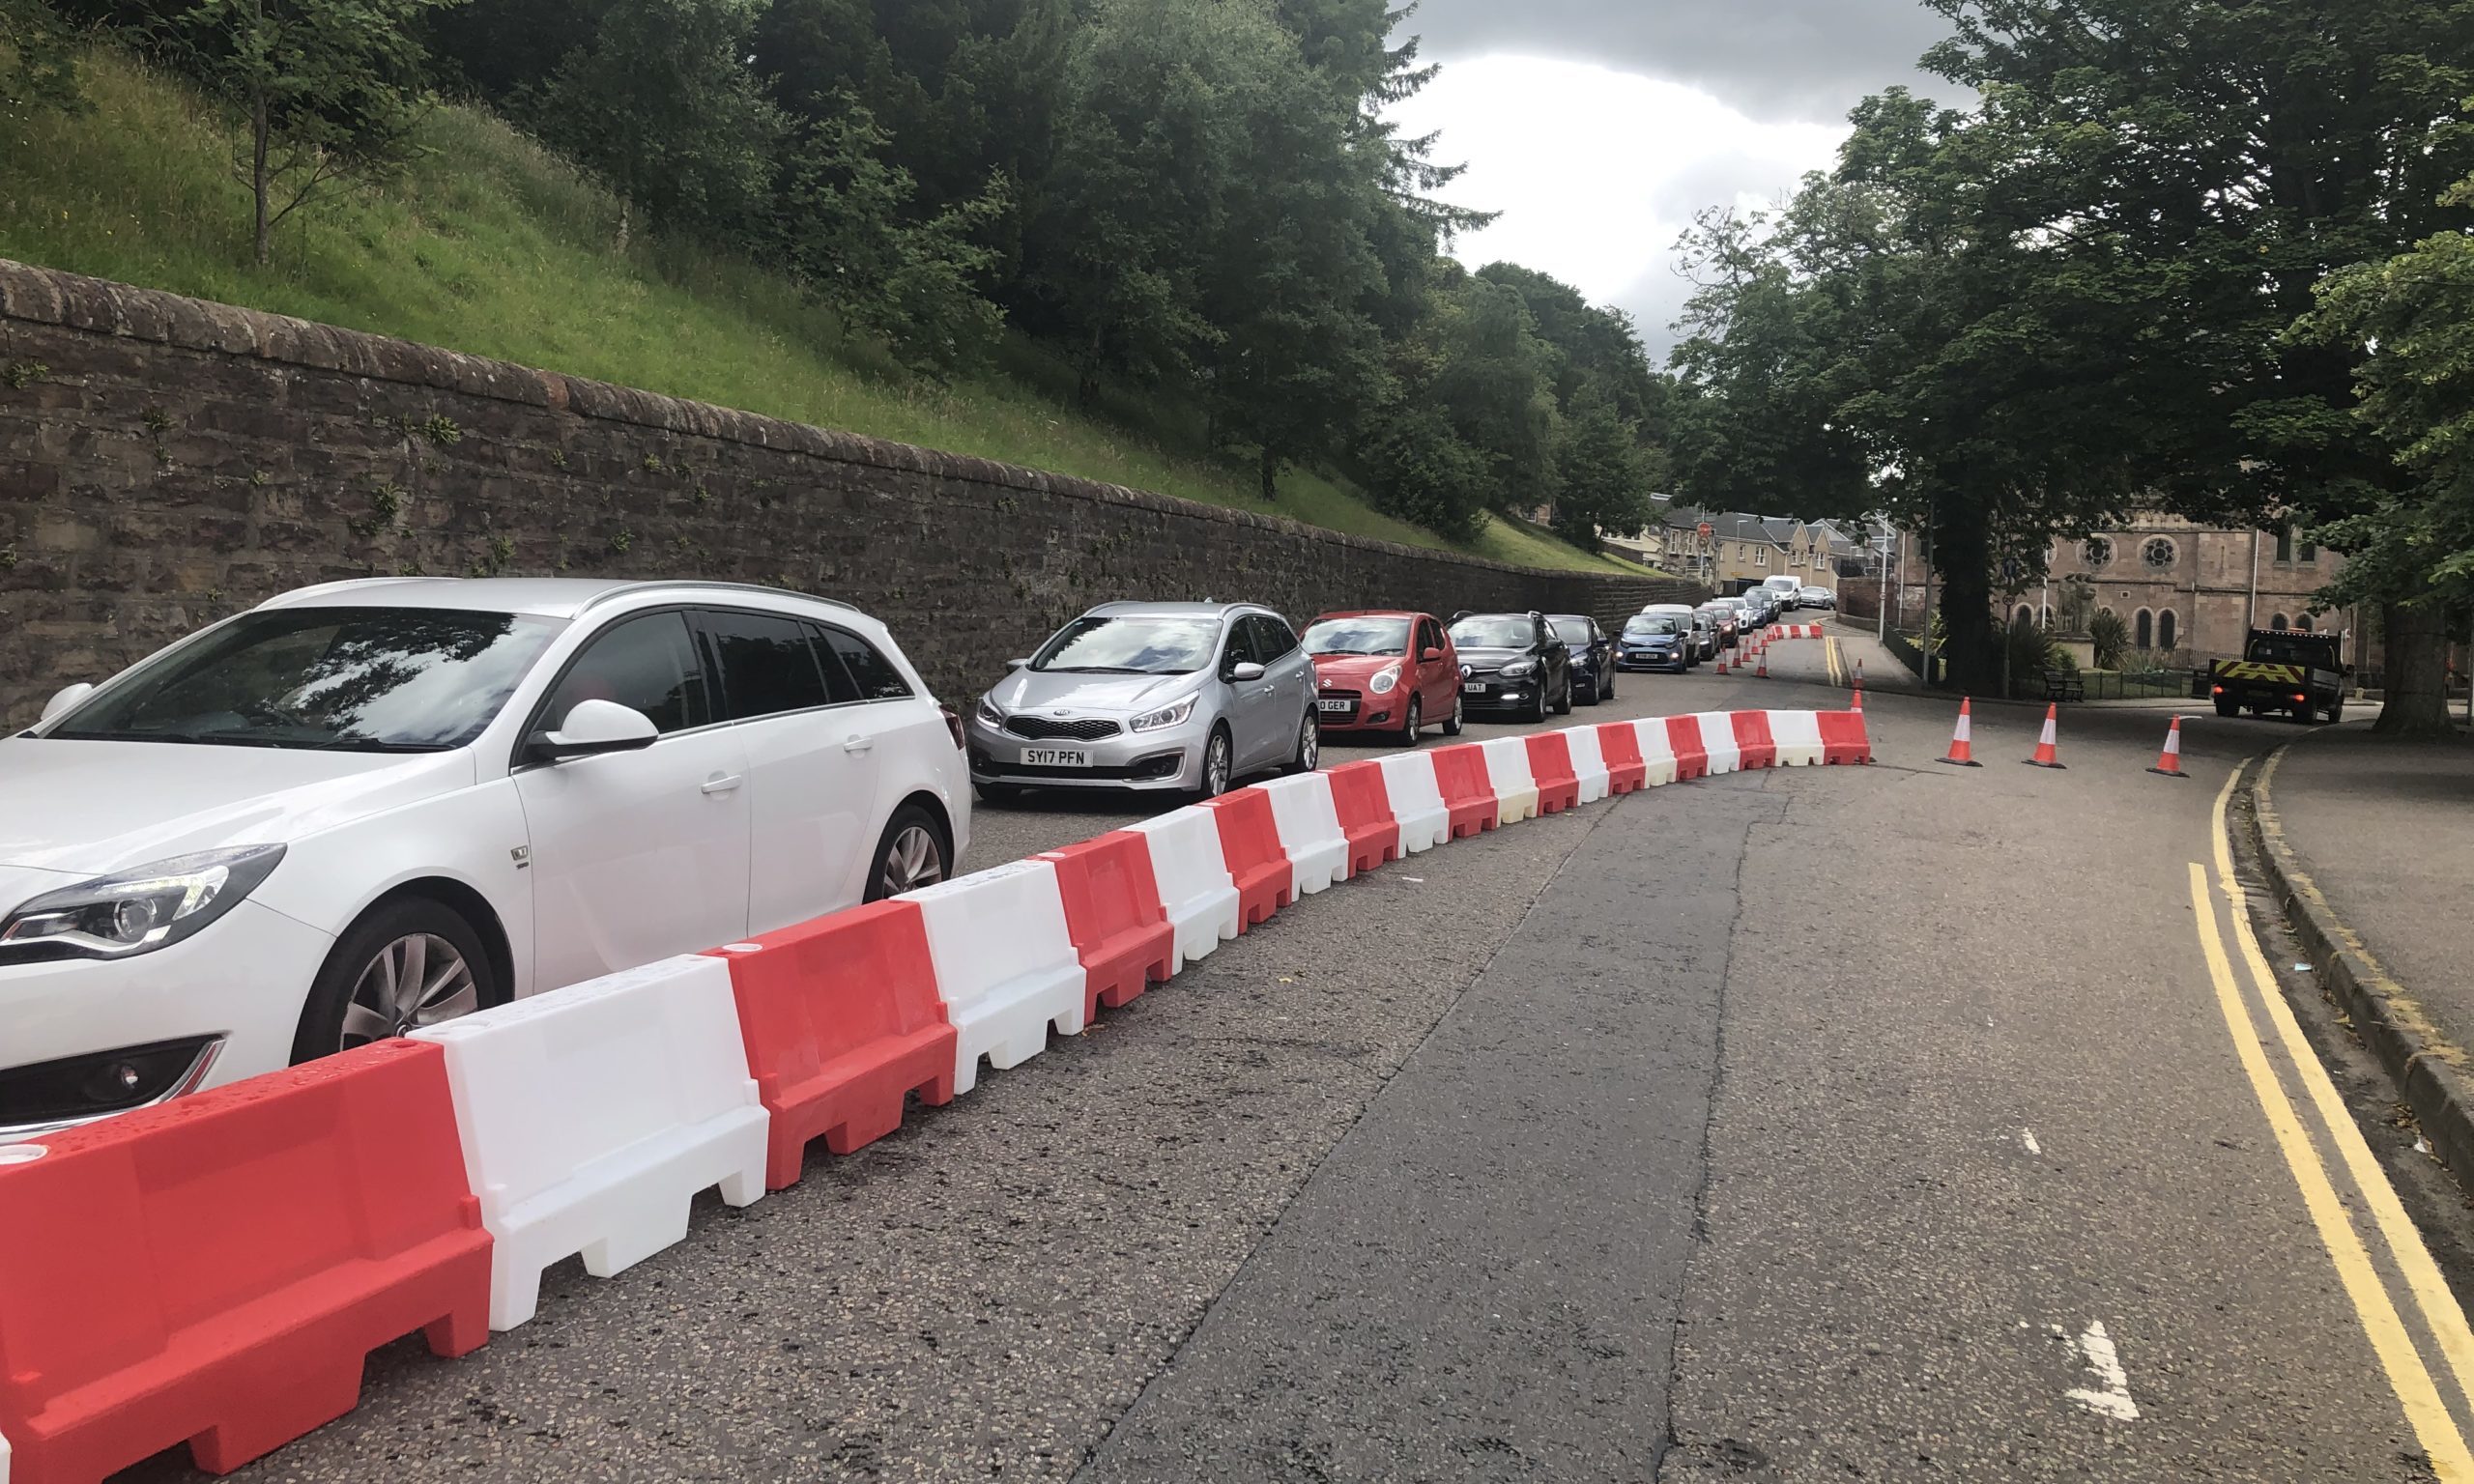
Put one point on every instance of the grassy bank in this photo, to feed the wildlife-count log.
(493, 247)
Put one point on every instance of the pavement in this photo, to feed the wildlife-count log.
(1893, 1123)
(2386, 830)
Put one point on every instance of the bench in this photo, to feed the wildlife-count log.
(2064, 685)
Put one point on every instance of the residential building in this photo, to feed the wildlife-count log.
(1730, 550)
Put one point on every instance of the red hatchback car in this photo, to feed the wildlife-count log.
(1387, 673)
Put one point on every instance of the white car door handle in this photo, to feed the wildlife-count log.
(858, 745)
(723, 784)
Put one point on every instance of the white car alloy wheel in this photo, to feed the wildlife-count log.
(913, 861)
(416, 979)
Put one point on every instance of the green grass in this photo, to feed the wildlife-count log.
(493, 247)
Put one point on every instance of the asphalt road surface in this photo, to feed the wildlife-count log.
(1898, 1123)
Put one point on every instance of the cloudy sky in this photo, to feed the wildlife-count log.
(1599, 127)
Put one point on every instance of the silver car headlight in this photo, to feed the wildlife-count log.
(988, 714)
(1519, 668)
(135, 911)
(1165, 716)
(1385, 683)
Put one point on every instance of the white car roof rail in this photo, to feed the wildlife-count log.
(629, 590)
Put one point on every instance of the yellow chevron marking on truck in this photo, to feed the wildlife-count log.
(2251, 670)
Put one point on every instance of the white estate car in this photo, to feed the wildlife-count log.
(375, 805)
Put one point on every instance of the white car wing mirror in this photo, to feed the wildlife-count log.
(66, 698)
(593, 727)
(1246, 672)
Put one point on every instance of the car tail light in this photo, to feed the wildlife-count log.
(2298, 698)
(953, 724)
(2216, 690)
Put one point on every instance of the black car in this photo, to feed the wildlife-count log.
(1655, 641)
(1514, 662)
(1593, 656)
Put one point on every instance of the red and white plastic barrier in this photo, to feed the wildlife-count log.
(1114, 914)
(1363, 805)
(842, 1024)
(602, 1154)
(1005, 963)
(1309, 831)
(1416, 801)
(215, 1271)
(167, 1300)
(1516, 788)
(1195, 891)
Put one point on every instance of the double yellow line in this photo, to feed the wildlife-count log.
(1829, 656)
(2435, 1426)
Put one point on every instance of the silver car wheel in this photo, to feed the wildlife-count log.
(1309, 744)
(1215, 766)
(913, 861)
(416, 980)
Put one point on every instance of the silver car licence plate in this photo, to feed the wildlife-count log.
(1055, 758)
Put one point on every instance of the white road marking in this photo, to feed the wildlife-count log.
(2027, 1136)
(2114, 1400)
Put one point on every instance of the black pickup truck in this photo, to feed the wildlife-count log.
(2298, 673)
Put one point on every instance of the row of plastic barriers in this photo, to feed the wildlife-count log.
(1779, 631)
(214, 1271)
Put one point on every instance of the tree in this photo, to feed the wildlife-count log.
(2409, 322)
(660, 103)
(2193, 170)
(330, 92)
(1603, 475)
(38, 59)
(846, 232)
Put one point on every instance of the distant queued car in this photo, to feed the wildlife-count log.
(1790, 592)
(1155, 697)
(1686, 624)
(1512, 662)
(1389, 674)
(1818, 597)
(1723, 618)
(1593, 656)
(1656, 642)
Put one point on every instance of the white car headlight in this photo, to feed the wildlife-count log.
(1165, 716)
(135, 911)
(1519, 668)
(988, 714)
(1384, 683)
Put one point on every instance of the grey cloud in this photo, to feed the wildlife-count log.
(1777, 61)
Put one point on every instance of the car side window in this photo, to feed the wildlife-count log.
(1429, 636)
(648, 664)
(1239, 648)
(768, 666)
(869, 671)
(1272, 637)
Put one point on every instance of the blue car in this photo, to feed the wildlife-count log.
(1653, 641)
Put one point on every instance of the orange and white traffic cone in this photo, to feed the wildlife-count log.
(1761, 654)
(1860, 678)
(1722, 662)
(2048, 753)
(2169, 763)
(1858, 708)
(1962, 740)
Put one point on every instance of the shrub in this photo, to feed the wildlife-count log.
(2111, 639)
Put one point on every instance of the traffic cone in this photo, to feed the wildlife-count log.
(1859, 680)
(1961, 740)
(2048, 755)
(2169, 763)
(1761, 655)
(1858, 708)
(1722, 663)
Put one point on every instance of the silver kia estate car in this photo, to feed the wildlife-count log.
(1159, 697)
